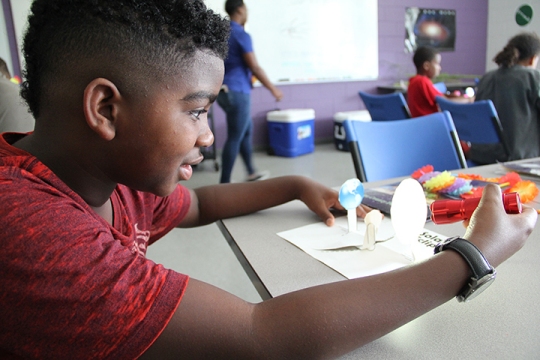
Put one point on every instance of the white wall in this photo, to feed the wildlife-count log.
(502, 25)
(4, 42)
(20, 9)
(218, 6)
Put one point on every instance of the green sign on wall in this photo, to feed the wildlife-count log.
(524, 15)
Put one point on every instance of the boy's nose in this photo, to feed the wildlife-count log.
(206, 138)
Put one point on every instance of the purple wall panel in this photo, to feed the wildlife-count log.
(394, 65)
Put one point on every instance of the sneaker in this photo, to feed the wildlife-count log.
(258, 176)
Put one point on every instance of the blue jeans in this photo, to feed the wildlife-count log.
(237, 107)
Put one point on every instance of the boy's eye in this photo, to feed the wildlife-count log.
(197, 113)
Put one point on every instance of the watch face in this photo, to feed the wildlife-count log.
(477, 287)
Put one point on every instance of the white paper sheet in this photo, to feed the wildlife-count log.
(338, 249)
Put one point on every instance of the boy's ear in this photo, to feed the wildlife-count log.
(101, 104)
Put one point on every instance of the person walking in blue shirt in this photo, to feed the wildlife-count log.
(235, 95)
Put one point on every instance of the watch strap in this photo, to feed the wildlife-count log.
(479, 265)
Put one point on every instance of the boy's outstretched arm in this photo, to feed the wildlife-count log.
(330, 320)
(215, 202)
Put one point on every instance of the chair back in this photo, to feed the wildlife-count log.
(387, 149)
(476, 122)
(386, 107)
(441, 86)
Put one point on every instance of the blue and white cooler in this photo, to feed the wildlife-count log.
(291, 132)
(340, 140)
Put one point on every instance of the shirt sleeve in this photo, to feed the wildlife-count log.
(169, 212)
(245, 43)
(421, 96)
(536, 90)
(431, 92)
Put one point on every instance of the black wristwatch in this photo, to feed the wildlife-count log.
(483, 272)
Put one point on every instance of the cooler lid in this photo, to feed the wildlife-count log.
(291, 115)
(358, 115)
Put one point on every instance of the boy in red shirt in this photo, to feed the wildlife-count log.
(120, 92)
(421, 93)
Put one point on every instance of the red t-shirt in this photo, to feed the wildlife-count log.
(421, 96)
(72, 286)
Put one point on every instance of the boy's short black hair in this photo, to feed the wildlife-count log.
(131, 41)
(232, 5)
(423, 54)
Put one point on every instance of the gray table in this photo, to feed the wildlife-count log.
(502, 323)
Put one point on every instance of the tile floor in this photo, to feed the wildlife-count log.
(204, 254)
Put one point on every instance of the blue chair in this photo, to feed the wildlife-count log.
(441, 86)
(386, 107)
(476, 122)
(387, 149)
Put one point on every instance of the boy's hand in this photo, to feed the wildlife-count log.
(320, 199)
(497, 234)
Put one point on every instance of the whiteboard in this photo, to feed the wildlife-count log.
(304, 41)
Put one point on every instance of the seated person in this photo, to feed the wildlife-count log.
(120, 92)
(421, 93)
(14, 114)
(514, 88)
